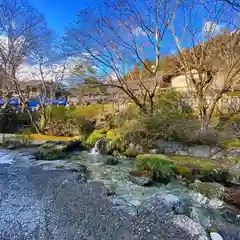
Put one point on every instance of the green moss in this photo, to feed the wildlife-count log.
(95, 136)
(203, 165)
(159, 165)
(113, 135)
(231, 143)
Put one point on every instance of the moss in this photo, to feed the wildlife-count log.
(231, 144)
(203, 165)
(95, 136)
(208, 189)
(50, 154)
(113, 135)
(160, 166)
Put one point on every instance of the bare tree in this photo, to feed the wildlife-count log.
(209, 56)
(50, 66)
(235, 4)
(22, 30)
(116, 35)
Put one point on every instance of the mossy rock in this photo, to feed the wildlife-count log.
(50, 154)
(194, 168)
(208, 189)
(95, 136)
(159, 165)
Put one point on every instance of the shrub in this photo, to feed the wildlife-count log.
(159, 165)
(171, 120)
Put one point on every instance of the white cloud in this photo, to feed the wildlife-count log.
(211, 28)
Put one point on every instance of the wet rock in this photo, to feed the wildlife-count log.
(142, 178)
(232, 196)
(192, 228)
(208, 189)
(57, 150)
(226, 231)
(101, 146)
(133, 150)
(163, 203)
(231, 215)
(111, 160)
(203, 200)
(234, 172)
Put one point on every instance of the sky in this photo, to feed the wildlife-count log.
(60, 13)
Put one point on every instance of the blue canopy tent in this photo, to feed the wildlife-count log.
(61, 102)
(2, 101)
(14, 102)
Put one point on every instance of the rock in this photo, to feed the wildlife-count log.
(232, 196)
(154, 151)
(50, 153)
(110, 160)
(101, 146)
(142, 178)
(234, 153)
(234, 172)
(74, 145)
(215, 236)
(231, 215)
(192, 228)
(200, 151)
(203, 200)
(226, 231)
(217, 175)
(163, 203)
(208, 189)
(133, 150)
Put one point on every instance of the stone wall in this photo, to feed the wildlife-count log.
(200, 151)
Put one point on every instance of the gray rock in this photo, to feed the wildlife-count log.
(227, 231)
(163, 203)
(208, 189)
(201, 151)
(234, 153)
(195, 230)
(141, 178)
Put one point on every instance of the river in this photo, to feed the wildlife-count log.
(42, 202)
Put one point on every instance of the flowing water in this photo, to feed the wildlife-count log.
(117, 179)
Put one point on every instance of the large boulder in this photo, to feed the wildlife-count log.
(57, 150)
(209, 189)
(142, 178)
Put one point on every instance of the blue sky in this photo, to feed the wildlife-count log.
(59, 13)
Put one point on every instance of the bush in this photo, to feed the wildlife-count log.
(170, 121)
(159, 165)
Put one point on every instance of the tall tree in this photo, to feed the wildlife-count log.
(22, 30)
(211, 63)
(116, 35)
